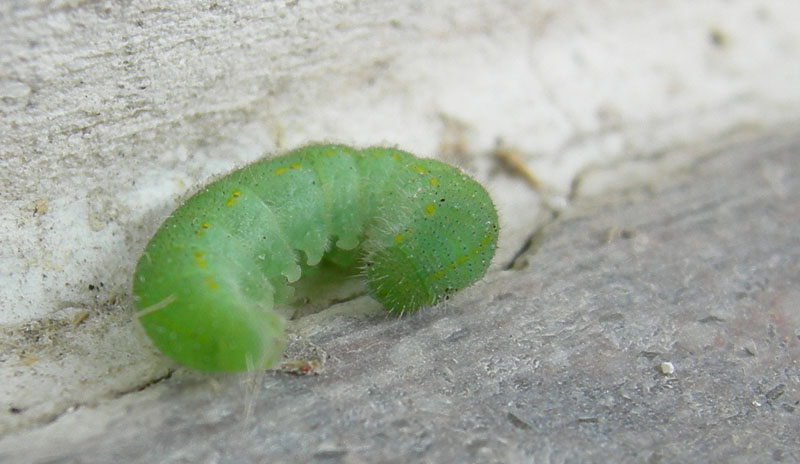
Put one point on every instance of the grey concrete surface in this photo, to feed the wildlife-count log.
(661, 325)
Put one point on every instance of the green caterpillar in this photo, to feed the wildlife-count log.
(206, 283)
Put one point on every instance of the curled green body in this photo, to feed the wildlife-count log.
(206, 283)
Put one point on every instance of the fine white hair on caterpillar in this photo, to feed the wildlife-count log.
(207, 283)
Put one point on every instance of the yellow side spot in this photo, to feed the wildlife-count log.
(418, 169)
(398, 238)
(203, 225)
(231, 199)
(434, 182)
(210, 282)
(279, 171)
(395, 157)
(429, 209)
(198, 259)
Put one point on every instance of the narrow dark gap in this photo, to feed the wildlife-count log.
(531, 244)
(147, 384)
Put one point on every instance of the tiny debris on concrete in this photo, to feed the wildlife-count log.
(666, 368)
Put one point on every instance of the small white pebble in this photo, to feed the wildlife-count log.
(667, 368)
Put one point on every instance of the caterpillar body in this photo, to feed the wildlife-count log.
(206, 283)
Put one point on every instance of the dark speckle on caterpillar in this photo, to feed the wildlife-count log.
(206, 284)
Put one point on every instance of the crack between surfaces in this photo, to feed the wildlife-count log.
(531, 244)
(536, 238)
(145, 385)
(701, 151)
(51, 418)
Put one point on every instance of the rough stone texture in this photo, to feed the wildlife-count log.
(111, 111)
(560, 360)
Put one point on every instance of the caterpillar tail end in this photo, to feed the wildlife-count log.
(214, 336)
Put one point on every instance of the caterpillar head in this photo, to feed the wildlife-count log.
(444, 246)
